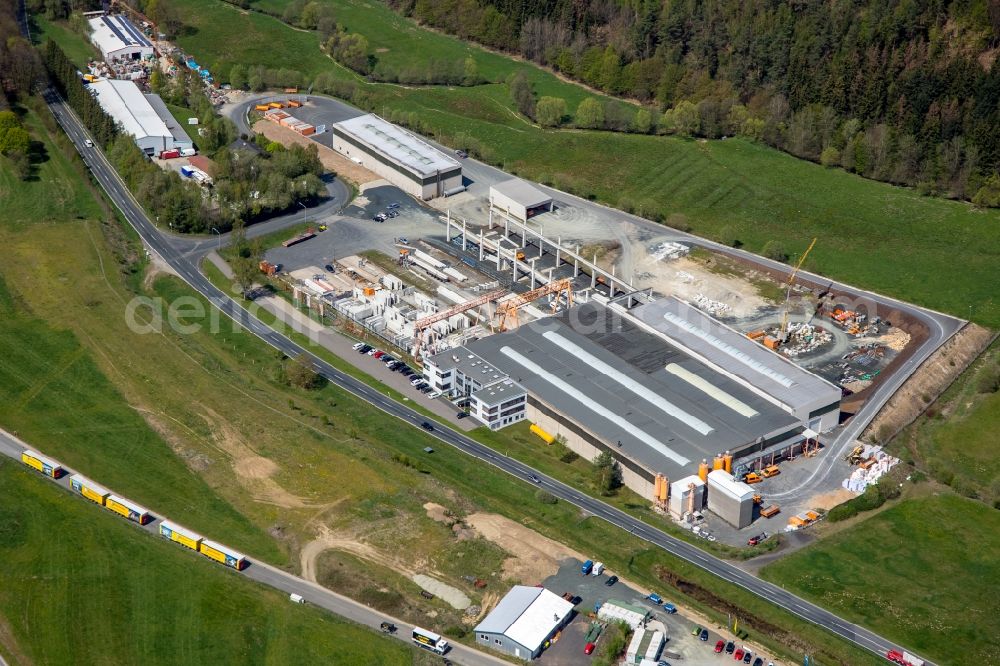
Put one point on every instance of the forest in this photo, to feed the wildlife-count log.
(902, 91)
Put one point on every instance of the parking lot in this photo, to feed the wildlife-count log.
(682, 646)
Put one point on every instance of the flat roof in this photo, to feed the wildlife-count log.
(469, 364)
(126, 104)
(498, 392)
(113, 33)
(608, 375)
(526, 615)
(720, 479)
(396, 143)
(522, 192)
(723, 347)
(176, 129)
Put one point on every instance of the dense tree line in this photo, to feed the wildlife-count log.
(903, 91)
(20, 67)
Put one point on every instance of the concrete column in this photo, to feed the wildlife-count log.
(513, 263)
(491, 218)
(498, 256)
(464, 235)
(611, 282)
(506, 226)
(541, 244)
(558, 247)
(533, 260)
(447, 222)
(480, 243)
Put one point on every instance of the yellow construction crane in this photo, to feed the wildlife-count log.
(783, 336)
(507, 311)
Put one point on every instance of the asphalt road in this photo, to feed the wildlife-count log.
(182, 263)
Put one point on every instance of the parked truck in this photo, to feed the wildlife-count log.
(598, 569)
(587, 567)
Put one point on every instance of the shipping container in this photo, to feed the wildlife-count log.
(187, 171)
(89, 489)
(128, 509)
(261, 107)
(180, 535)
(43, 465)
(170, 154)
(223, 554)
(276, 105)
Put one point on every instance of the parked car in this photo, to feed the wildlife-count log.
(434, 395)
(393, 213)
(739, 655)
(364, 349)
(427, 426)
(719, 646)
(669, 608)
(403, 240)
(758, 662)
(357, 345)
(395, 205)
(372, 351)
(461, 415)
(730, 646)
(426, 388)
(588, 648)
(611, 580)
(704, 635)
(747, 657)
(754, 540)
(696, 631)
(378, 353)
(462, 154)
(329, 268)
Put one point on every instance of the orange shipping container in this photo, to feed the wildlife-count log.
(293, 104)
(309, 130)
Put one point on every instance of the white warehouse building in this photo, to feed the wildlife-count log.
(402, 158)
(519, 199)
(118, 39)
(140, 117)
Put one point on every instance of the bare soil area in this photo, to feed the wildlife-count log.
(11, 648)
(534, 557)
(691, 281)
(830, 499)
(330, 158)
(930, 380)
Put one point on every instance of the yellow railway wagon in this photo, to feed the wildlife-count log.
(180, 535)
(89, 489)
(42, 464)
(223, 554)
(128, 509)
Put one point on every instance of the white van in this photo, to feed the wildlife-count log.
(296, 598)
(598, 569)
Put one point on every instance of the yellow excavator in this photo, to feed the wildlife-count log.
(783, 335)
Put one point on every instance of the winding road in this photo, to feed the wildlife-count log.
(182, 254)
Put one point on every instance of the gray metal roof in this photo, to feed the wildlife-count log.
(511, 607)
(397, 144)
(176, 130)
(468, 363)
(522, 192)
(498, 392)
(723, 347)
(608, 375)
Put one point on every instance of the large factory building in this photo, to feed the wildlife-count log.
(406, 161)
(118, 39)
(607, 381)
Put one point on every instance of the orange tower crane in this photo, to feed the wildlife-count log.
(507, 311)
(422, 325)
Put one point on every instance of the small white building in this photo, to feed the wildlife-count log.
(519, 199)
(132, 110)
(524, 621)
(613, 610)
(645, 645)
(730, 499)
(402, 158)
(686, 494)
(494, 399)
(118, 39)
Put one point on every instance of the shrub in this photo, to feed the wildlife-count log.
(545, 497)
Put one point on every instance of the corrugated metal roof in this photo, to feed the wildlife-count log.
(720, 479)
(526, 615)
(124, 102)
(401, 146)
(176, 129)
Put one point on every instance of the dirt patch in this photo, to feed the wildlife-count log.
(534, 557)
(252, 470)
(438, 513)
(830, 499)
(328, 540)
(453, 596)
(14, 652)
(691, 281)
(330, 158)
(930, 380)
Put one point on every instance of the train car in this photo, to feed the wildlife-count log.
(223, 554)
(128, 509)
(89, 489)
(180, 535)
(42, 464)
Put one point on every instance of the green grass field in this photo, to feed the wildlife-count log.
(955, 440)
(940, 254)
(80, 585)
(77, 48)
(922, 572)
